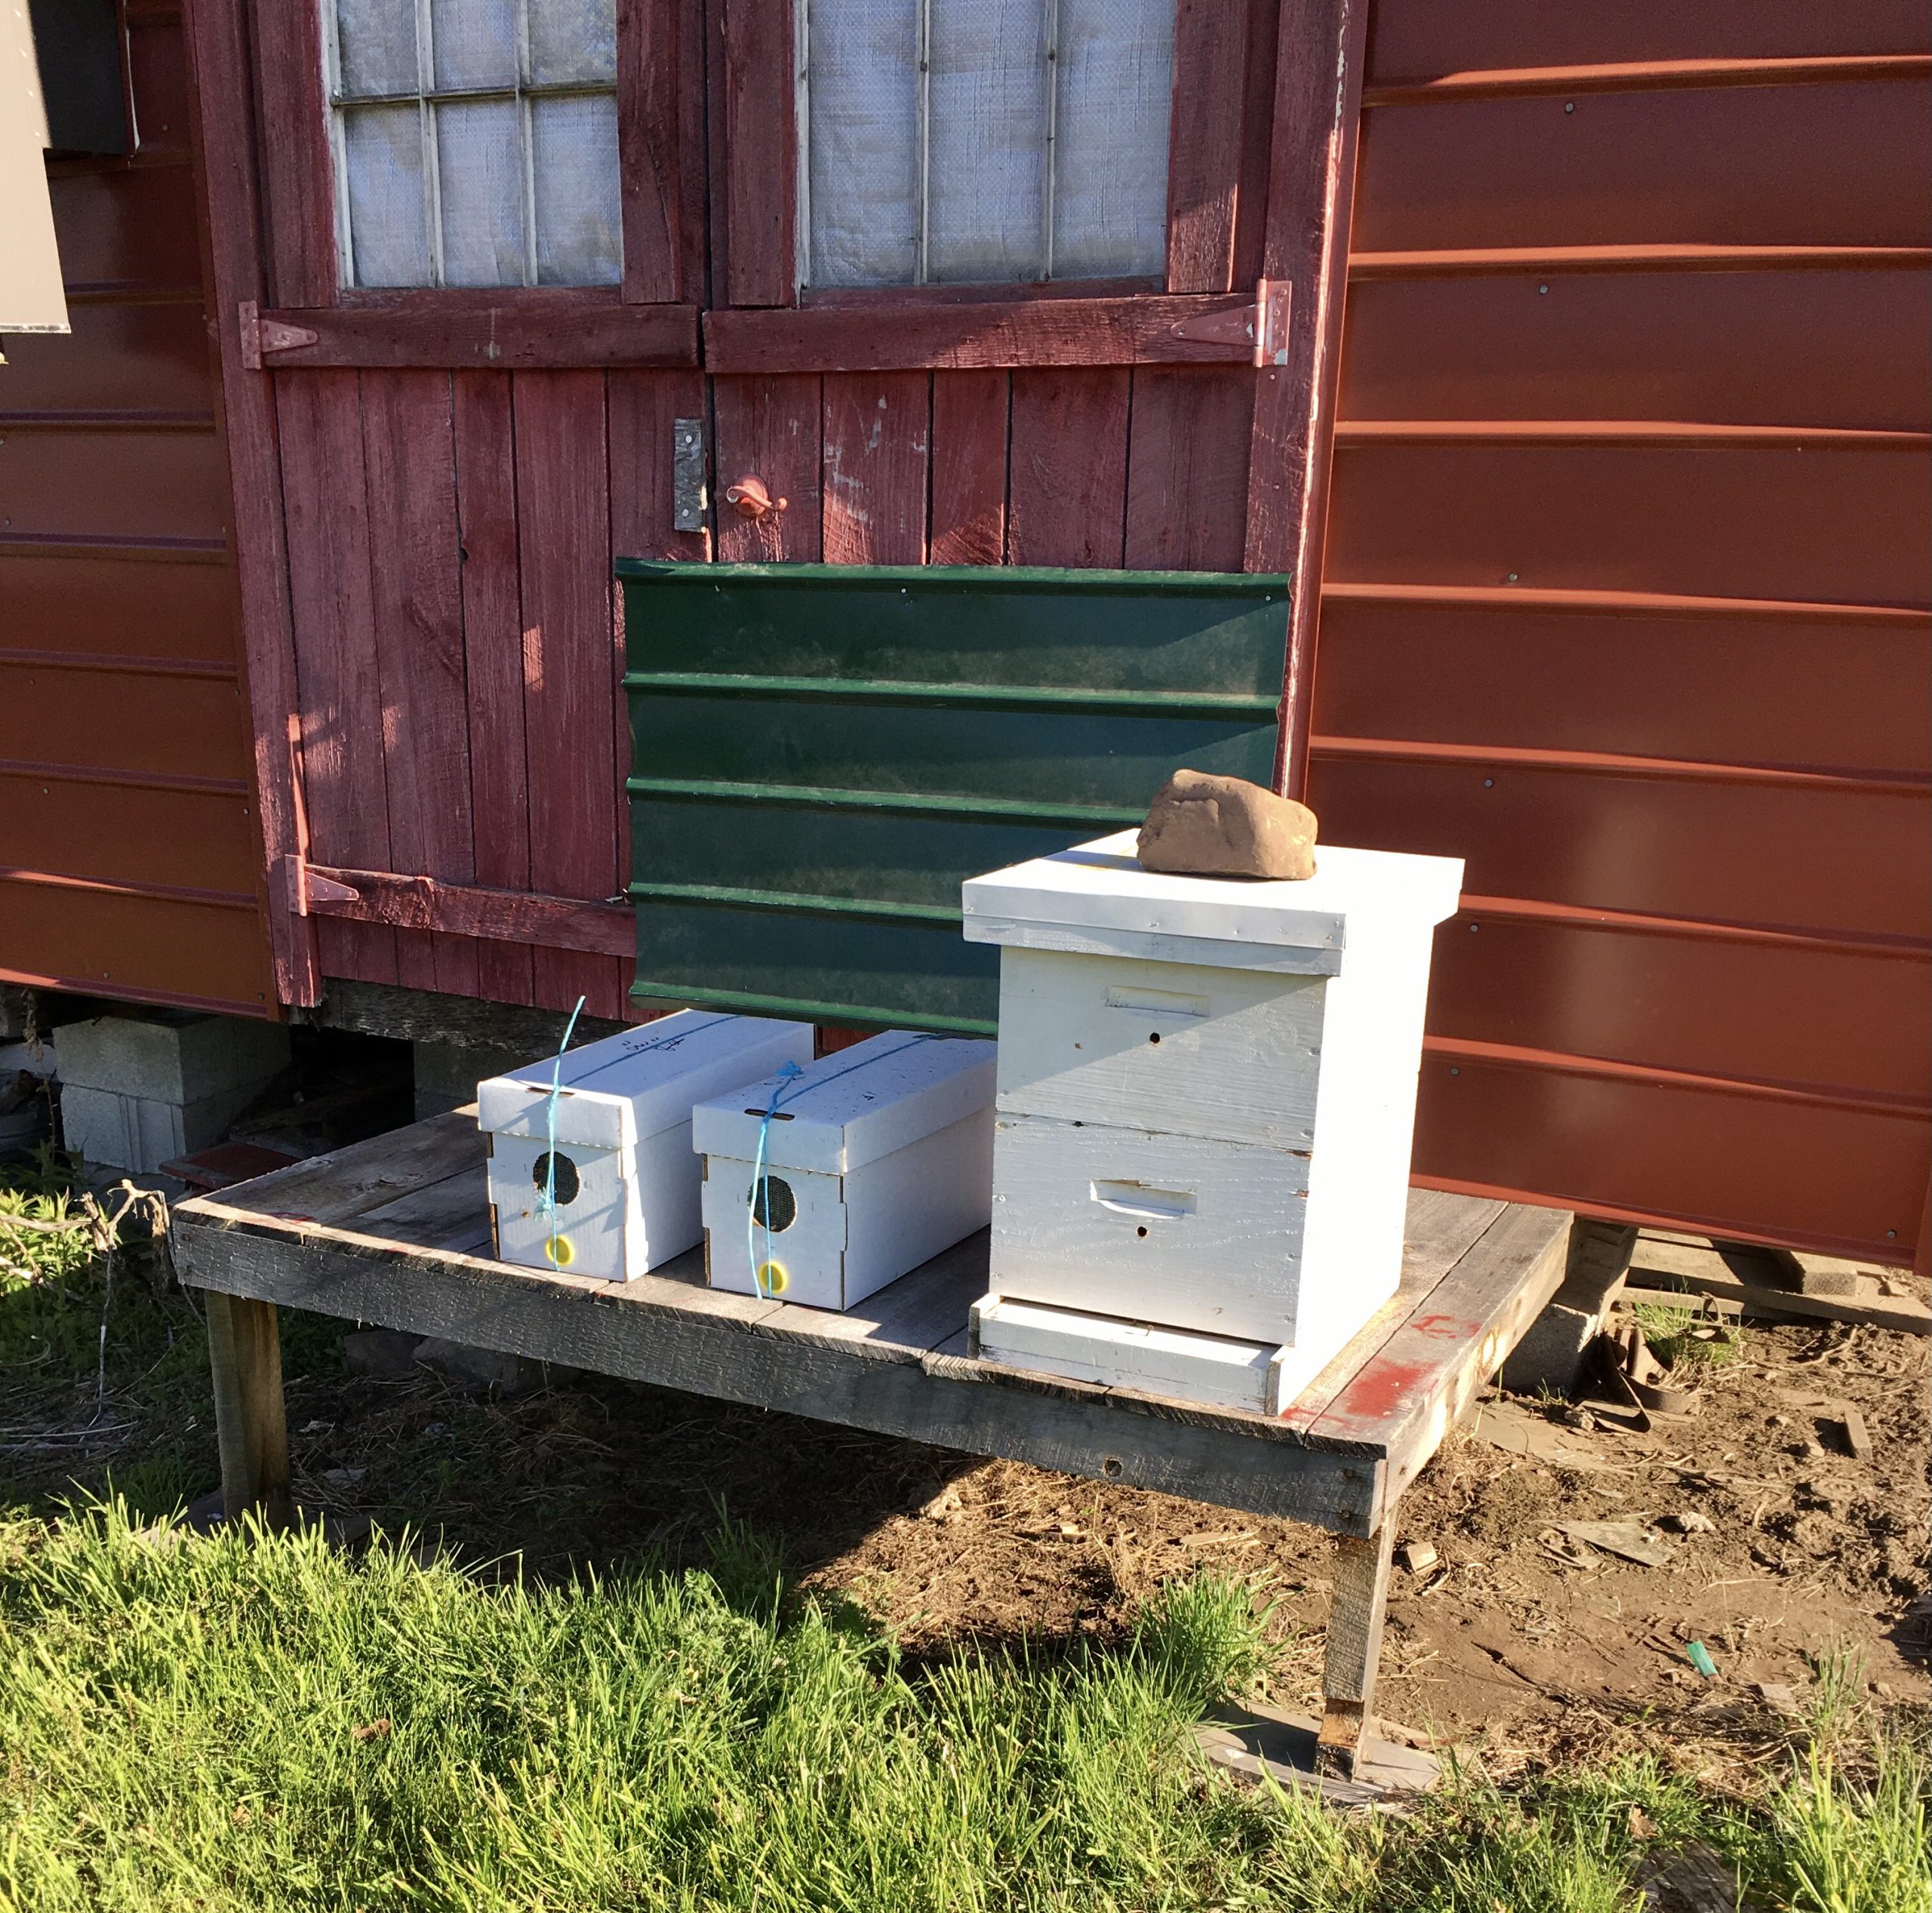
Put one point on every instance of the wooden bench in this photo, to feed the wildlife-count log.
(396, 1231)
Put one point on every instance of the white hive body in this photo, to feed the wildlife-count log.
(875, 1159)
(626, 1183)
(1206, 1100)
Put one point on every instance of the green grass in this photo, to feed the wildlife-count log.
(1675, 1339)
(252, 1721)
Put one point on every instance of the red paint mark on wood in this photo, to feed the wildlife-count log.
(492, 646)
(877, 432)
(1380, 1390)
(564, 548)
(769, 428)
(407, 437)
(325, 509)
(1068, 468)
(1187, 470)
(969, 433)
(1445, 1328)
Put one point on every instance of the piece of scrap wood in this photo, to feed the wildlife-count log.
(1857, 1436)
(1251, 1741)
(1629, 1538)
(1692, 1879)
(1520, 1432)
(1418, 1557)
(1702, 1271)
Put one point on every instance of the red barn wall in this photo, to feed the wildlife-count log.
(128, 856)
(1625, 597)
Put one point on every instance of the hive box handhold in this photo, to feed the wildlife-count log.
(1203, 826)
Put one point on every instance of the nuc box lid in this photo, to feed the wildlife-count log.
(853, 1106)
(1095, 899)
(620, 1091)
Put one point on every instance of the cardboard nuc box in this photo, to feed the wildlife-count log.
(875, 1159)
(626, 1183)
(1206, 1100)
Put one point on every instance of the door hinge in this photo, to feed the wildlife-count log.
(303, 887)
(260, 335)
(1263, 326)
(688, 499)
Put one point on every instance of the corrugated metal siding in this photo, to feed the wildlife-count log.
(1626, 597)
(128, 865)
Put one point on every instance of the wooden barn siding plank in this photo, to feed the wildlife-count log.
(415, 548)
(1812, 525)
(493, 653)
(760, 152)
(1760, 165)
(1067, 468)
(1187, 470)
(564, 556)
(1205, 147)
(656, 127)
(297, 169)
(1311, 182)
(772, 427)
(1838, 347)
(876, 439)
(644, 406)
(345, 777)
(1423, 40)
(969, 446)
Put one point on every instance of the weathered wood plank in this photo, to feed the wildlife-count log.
(415, 561)
(1353, 1652)
(325, 504)
(969, 467)
(877, 433)
(453, 1213)
(493, 655)
(344, 1182)
(1415, 1390)
(489, 332)
(924, 334)
(1187, 470)
(564, 555)
(770, 429)
(1067, 468)
(624, 1332)
(922, 1310)
(1204, 149)
(525, 917)
(759, 139)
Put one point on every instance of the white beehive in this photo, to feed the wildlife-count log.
(875, 1159)
(626, 1184)
(1206, 1099)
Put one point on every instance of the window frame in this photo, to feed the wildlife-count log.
(1216, 163)
(659, 168)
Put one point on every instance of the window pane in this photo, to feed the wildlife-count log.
(475, 42)
(985, 195)
(382, 148)
(573, 43)
(479, 170)
(573, 143)
(1115, 77)
(863, 204)
(375, 46)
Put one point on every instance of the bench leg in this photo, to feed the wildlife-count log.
(1354, 1647)
(244, 1350)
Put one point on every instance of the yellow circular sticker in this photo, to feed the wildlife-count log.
(559, 1250)
(773, 1279)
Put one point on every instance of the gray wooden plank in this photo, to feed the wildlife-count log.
(919, 1311)
(346, 1182)
(448, 1214)
(649, 1332)
(1410, 1393)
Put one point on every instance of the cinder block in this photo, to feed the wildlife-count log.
(141, 1132)
(13, 1012)
(1551, 1355)
(446, 1074)
(171, 1055)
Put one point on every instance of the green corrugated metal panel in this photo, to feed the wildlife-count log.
(824, 753)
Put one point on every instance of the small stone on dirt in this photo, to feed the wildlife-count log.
(479, 1368)
(1778, 1698)
(1690, 1522)
(384, 1354)
(1203, 826)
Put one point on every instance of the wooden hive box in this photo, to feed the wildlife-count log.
(1206, 1099)
(627, 1184)
(874, 1160)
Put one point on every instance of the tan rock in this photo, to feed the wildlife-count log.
(1203, 826)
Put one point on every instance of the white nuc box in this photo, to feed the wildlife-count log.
(1206, 1100)
(622, 1194)
(875, 1159)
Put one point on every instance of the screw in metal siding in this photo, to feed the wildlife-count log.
(1569, 106)
(1543, 288)
(1489, 783)
(1453, 1070)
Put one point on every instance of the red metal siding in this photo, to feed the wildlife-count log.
(1625, 597)
(128, 861)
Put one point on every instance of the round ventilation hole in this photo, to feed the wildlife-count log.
(773, 1206)
(567, 1186)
